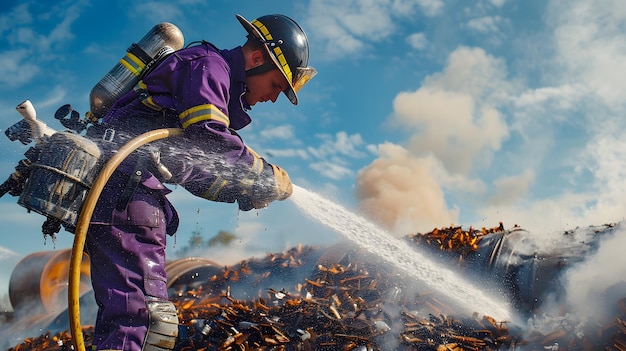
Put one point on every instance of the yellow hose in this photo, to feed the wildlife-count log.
(82, 225)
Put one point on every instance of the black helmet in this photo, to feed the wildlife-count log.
(287, 45)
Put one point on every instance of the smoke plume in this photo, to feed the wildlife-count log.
(400, 192)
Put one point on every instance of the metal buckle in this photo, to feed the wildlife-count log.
(108, 135)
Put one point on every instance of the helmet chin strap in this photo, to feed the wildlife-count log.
(265, 67)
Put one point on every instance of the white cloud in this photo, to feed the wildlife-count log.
(565, 96)
(15, 68)
(18, 15)
(537, 108)
(339, 144)
(348, 27)
(472, 71)
(331, 157)
(62, 32)
(331, 170)
(417, 41)
(586, 92)
(348, 144)
(31, 50)
(604, 202)
(372, 149)
(6, 254)
(487, 24)
(590, 43)
(453, 115)
(408, 7)
(284, 131)
(287, 153)
(157, 9)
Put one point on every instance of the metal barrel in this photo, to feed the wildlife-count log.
(38, 283)
(184, 273)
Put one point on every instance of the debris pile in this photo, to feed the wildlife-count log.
(59, 342)
(455, 239)
(343, 299)
(351, 305)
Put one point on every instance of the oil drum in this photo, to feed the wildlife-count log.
(39, 282)
(186, 273)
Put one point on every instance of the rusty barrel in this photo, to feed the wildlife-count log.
(40, 281)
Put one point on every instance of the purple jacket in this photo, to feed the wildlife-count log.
(199, 89)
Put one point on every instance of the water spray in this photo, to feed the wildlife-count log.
(398, 253)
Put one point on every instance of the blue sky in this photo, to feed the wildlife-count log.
(425, 113)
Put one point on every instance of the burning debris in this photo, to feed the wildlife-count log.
(455, 238)
(341, 299)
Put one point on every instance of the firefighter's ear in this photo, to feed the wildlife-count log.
(256, 58)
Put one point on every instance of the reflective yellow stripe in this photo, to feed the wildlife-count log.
(253, 152)
(144, 96)
(277, 51)
(215, 188)
(150, 103)
(283, 62)
(140, 86)
(206, 112)
(255, 171)
(266, 33)
(132, 63)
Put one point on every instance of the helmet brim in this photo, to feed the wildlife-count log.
(290, 92)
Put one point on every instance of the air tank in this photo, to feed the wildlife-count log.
(160, 41)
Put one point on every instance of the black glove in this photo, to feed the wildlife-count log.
(245, 204)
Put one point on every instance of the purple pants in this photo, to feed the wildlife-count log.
(127, 253)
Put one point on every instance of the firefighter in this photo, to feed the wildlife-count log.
(207, 92)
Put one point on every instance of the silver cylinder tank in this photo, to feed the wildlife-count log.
(124, 75)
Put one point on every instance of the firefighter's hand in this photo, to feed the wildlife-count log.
(282, 190)
(247, 203)
(244, 203)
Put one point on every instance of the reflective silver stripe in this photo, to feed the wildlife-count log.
(163, 327)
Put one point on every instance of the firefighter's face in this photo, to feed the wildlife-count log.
(265, 87)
